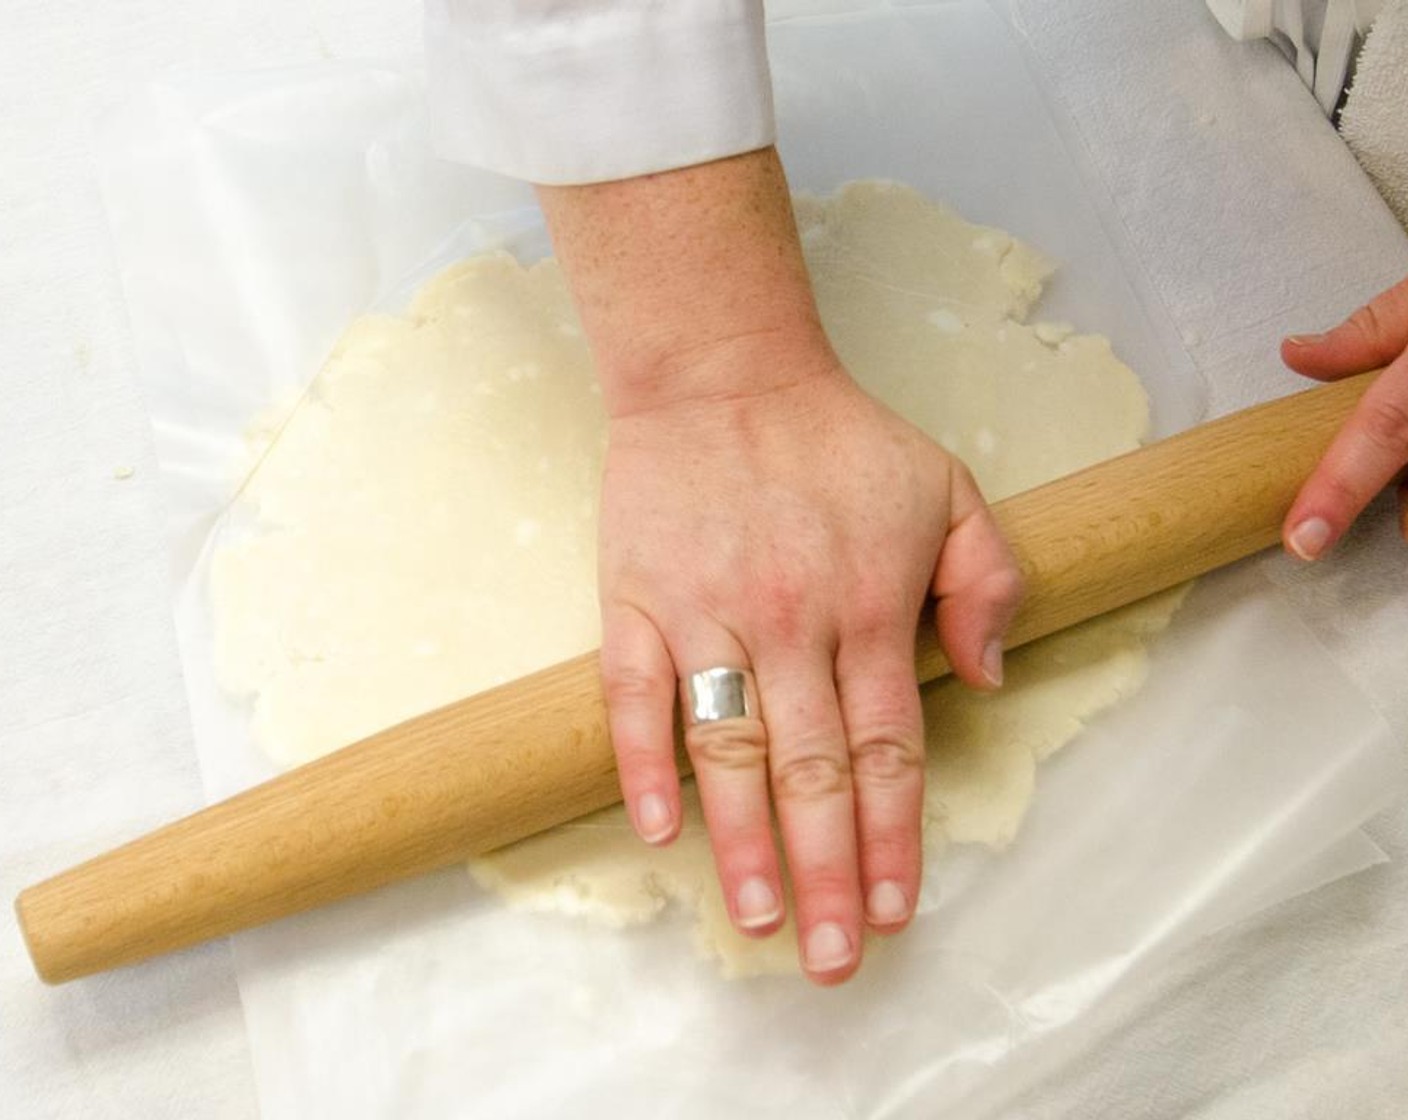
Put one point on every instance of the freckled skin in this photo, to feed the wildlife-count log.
(760, 511)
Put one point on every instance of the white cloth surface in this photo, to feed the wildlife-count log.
(599, 89)
(1251, 219)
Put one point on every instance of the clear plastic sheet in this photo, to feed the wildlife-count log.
(255, 215)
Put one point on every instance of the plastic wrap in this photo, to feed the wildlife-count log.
(255, 215)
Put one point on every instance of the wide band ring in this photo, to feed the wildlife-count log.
(722, 693)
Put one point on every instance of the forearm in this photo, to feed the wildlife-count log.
(675, 271)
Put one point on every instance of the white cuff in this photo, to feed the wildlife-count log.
(582, 92)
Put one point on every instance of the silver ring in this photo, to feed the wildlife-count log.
(722, 693)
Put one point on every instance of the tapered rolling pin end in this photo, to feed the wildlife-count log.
(44, 964)
(451, 784)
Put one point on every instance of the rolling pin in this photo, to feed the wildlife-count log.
(518, 759)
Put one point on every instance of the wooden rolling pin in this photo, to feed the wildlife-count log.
(497, 767)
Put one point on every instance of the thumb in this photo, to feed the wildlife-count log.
(1365, 455)
(978, 585)
(1373, 336)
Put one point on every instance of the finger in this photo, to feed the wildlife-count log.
(1373, 336)
(884, 725)
(978, 586)
(638, 679)
(1370, 449)
(730, 766)
(811, 787)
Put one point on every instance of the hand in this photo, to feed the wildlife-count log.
(1372, 447)
(760, 512)
(796, 532)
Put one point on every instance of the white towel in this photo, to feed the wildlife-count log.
(1375, 118)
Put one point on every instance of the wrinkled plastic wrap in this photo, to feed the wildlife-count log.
(256, 215)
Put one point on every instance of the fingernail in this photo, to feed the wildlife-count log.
(1309, 538)
(653, 818)
(757, 904)
(886, 904)
(828, 947)
(1305, 339)
(992, 663)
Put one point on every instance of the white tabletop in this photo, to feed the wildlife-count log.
(1250, 219)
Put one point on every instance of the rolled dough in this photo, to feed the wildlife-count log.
(420, 527)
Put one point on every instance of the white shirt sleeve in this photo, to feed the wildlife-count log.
(581, 91)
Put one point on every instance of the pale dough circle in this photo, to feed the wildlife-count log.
(421, 527)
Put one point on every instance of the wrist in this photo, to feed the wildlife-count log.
(691, 283)
(732, 365)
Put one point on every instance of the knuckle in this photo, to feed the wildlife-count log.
(786, 600)
(1005, 586)
(891, 848)
(962, 476)
(811, 776)
(784, 611)
(874, 614)
(629, 685)
(733, 744)
(1366, 321)
(887, 758)
(822, 886)
(1341, 494)
(1385, 423)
